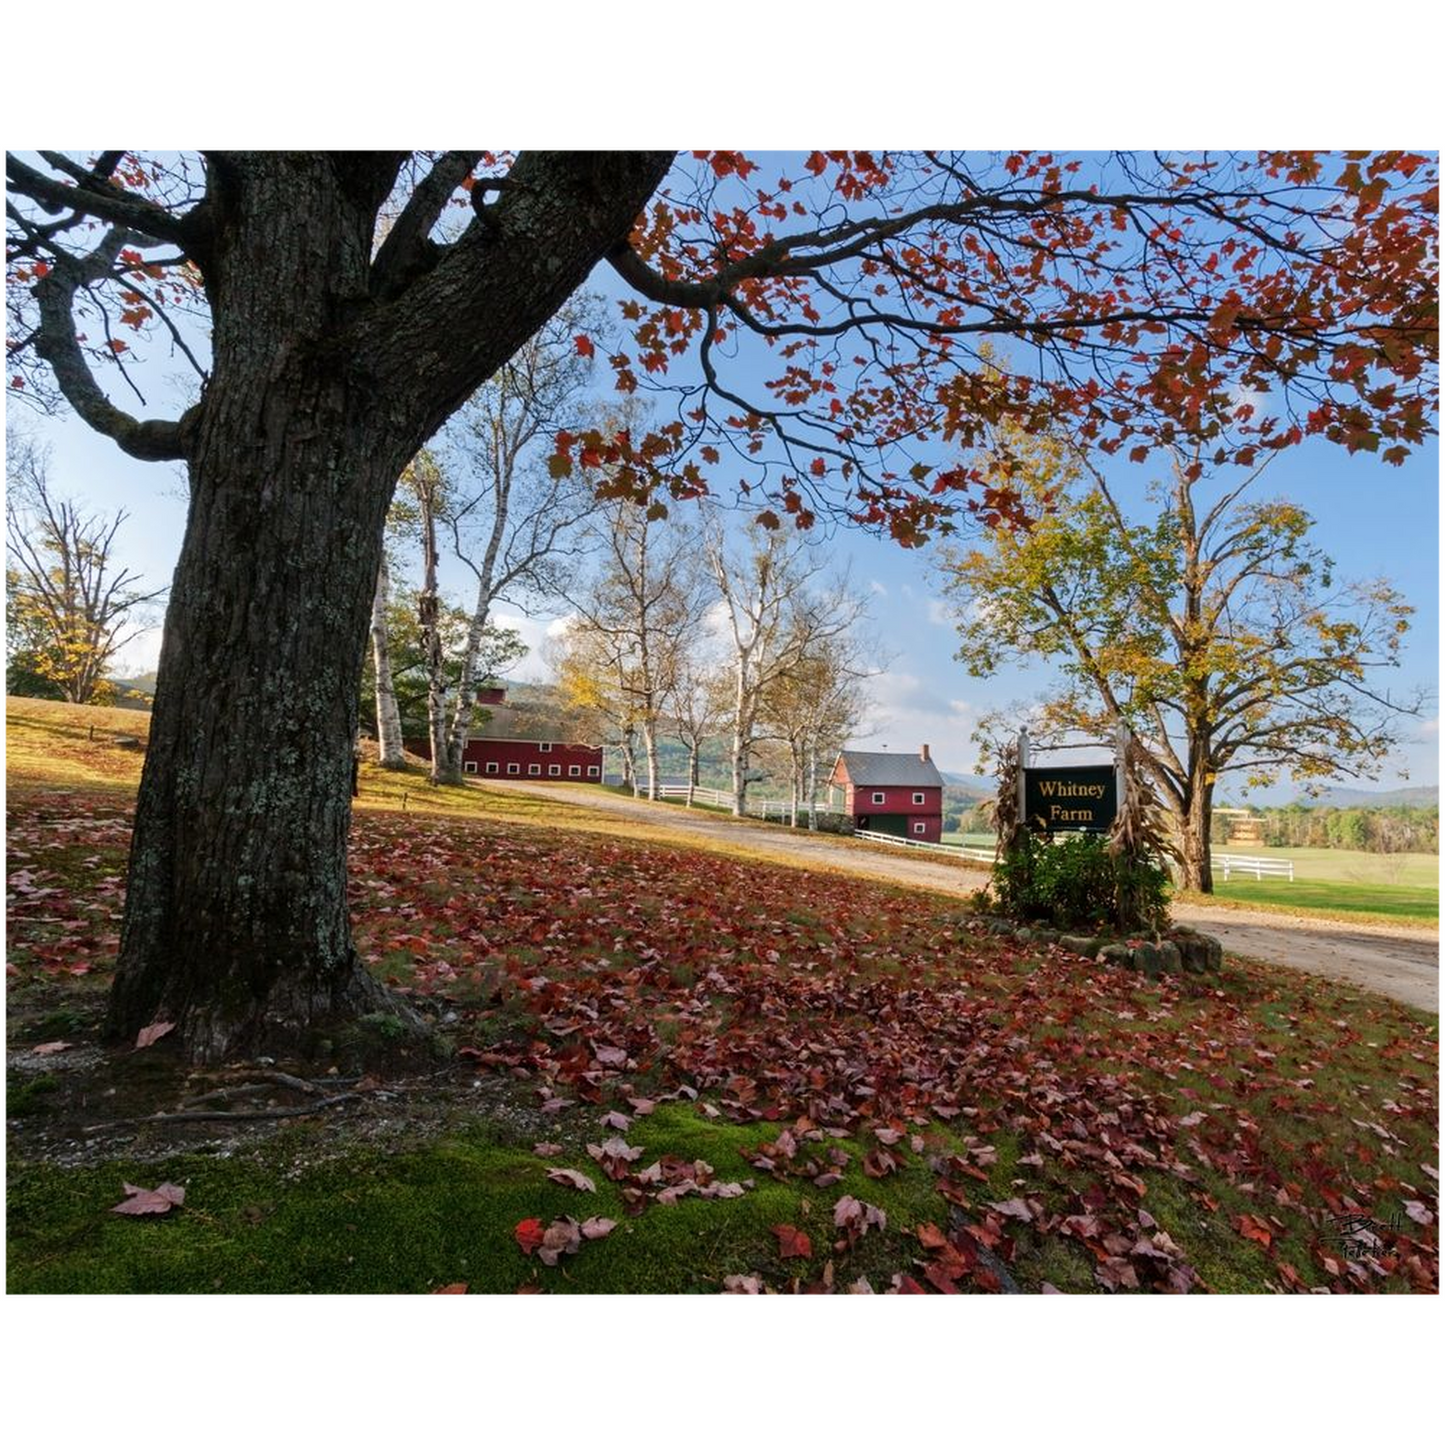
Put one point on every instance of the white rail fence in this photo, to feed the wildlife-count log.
(1258, 868)
(715, 796)
(782, 808)
(977, 855)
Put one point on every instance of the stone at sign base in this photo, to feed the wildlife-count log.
(1182, 950)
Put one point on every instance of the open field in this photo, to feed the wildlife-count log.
(1339, 899)
(1347, 866)
(1336, 882)
(828, 1083)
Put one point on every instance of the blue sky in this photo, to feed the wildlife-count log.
(1372, 519)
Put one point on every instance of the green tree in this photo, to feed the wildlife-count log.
(1213, 628)
(500, 648)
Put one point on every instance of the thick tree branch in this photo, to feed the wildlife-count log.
(58, 344)
(404, 251)
(96, 195)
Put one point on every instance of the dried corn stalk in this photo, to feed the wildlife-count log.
(1141, 828)
(1008, 823)
(1140, 834)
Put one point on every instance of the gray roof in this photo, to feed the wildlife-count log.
(889, 770)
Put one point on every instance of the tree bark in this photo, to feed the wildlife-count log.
(1196, 869)
(236, 925)
(465, 708)
(428, 607)
(388, 718)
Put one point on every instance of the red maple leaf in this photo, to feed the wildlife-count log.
(792, 1243)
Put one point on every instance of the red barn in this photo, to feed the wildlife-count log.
(498, 754)
(525, 758)
(895, 793)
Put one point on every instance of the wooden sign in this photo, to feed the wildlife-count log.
(1070, 800)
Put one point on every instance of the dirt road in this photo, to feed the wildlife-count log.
(1401, 963)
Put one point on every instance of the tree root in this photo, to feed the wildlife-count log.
(188, 1113)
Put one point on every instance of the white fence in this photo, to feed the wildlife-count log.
(1227, 863)
(767, 808)
(715, 796)
(977, 855)
(782, 808)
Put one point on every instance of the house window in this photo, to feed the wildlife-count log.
(534, 770)
(593, 772)
(918, 797)
(491, 767)
(920, 827)
(554, 771)
(574, 771)
(544, 747)
(880, 798)
(469, 767)
(513, 768)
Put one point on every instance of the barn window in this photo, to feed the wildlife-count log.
(469, 767)
(594, 772)
(574, 771)
(544, 747)
(880, 797)
(918, 798)
(534, 770)
(491, 767)
(920, 827)
(514, 768)
(554, 771)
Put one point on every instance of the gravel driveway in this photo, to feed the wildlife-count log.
(1401, 963)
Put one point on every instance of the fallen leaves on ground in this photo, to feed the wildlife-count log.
(160, 1200)
(563, 1236)
(615, 976)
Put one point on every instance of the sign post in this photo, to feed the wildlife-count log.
(1023, 771)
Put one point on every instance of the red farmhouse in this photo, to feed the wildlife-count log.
(893, 793)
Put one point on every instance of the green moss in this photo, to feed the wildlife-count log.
(24, 1097)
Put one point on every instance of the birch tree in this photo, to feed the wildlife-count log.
(389, 745)
(817, 705)
(513, 523)
(643, 605)
(777, 616)
(698, 699)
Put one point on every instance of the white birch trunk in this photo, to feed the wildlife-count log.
(388, 717)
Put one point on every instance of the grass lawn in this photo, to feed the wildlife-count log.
(1392, 902)
(770, 1079)
(1344, 865)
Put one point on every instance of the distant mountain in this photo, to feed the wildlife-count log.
(972, 783)
(1421, 797)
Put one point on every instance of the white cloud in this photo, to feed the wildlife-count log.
(904, 712)
(877, 588)
(534, 632)
(939, 613)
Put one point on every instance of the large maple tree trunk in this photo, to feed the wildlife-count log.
(236, 925)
